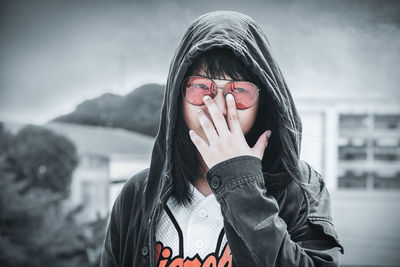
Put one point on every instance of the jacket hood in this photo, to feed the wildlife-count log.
(244, 37)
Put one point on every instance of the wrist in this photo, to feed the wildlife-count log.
(237, 170)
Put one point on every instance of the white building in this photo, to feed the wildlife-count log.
(107, 158)
(355, 143)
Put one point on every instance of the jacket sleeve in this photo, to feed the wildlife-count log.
(111, 247)
(256, 234)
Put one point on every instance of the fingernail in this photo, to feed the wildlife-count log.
(229, 97)
(199, 110)
(206, 97)
(268, 134)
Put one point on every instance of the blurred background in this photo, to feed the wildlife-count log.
(81, 87)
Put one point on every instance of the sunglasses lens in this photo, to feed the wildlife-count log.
(195, 88)
(245, 93)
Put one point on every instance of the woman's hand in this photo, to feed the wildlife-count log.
(224, 142)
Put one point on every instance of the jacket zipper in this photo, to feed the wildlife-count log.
(155, 217)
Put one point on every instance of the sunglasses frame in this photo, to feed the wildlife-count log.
(217, 87)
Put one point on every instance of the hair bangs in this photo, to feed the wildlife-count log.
(221, 63)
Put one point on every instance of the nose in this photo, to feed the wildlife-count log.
(220, 100)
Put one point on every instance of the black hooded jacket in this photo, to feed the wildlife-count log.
(294, 229)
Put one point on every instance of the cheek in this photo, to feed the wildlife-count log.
(190, 115)
(247, 119)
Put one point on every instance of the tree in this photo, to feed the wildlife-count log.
(34, 230)
(42, 159)
(21, 220)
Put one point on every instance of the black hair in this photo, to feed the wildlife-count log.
(219, 62)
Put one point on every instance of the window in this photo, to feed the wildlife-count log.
(353, 149)
(387, 122)
(369, 151)
(351, 179)
(387, 182)
(353, 122)
(387, 149)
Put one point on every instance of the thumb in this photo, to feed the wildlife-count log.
(261, 144)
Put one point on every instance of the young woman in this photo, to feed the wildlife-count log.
(225, 185)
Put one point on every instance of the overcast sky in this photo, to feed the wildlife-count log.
(55, 54)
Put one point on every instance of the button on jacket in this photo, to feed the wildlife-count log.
(290, 228)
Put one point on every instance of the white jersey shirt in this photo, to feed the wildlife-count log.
(193, 235)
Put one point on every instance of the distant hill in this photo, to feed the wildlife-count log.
(138, 111)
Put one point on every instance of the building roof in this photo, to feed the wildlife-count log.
(104, 141)
(99, 140)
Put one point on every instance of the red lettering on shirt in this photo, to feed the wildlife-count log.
(164, 258)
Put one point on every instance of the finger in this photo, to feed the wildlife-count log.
(200, 144)
(262, 144)
(233, 117)
(208, 127)
(217, 116)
